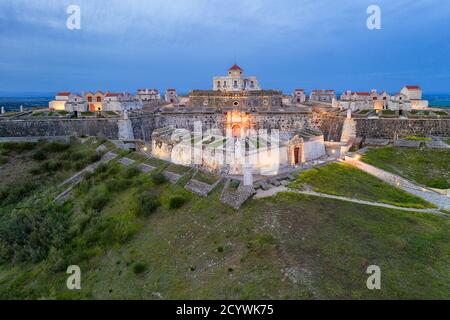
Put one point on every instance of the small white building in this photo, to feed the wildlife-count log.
(147, 95)
(172, 96)
(298, 96)
(235, 81)
(414, 94)
(120, 102)
(322, 95)
(69, 102)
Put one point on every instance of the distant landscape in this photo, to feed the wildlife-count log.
(14, 103)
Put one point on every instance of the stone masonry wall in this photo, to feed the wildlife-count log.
(143, 125)
(400, 128)
(59, 127)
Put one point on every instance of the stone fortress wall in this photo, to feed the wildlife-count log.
(400, 128)
(59, 127)
(144, 124)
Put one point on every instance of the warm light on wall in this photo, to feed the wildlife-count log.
(238, 121)
(57, 105)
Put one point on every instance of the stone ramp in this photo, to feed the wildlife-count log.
(172, 177)
(76, 179)
(91, 168)
(126, 161)
(145, 168)
(235, 198)
(437, 144)
(201, 188)
(407, 144)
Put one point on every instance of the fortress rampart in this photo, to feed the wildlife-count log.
(143, 125)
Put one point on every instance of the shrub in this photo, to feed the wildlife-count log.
(234, 184)
(176, 202)
(56, 147)
(159, 178)
(39, 155)
(97, 200)
(75, 156)
(131, 172)
(148, 202)
(95, 157)
(139, 268)
(47, 167)
(17, 146)
(114, 185)
(17, 192)
(3, 160)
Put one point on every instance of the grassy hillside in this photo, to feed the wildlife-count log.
(425, 166)
(345, 180)
(122, 228)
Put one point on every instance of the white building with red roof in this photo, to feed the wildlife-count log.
(68, 101)
(414, 94)
(147, 95)
(410, 97)
(235, 81)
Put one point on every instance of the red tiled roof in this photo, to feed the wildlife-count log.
(322, 91)
(63, 94)
(361, 93)
(235, 67)
(112, 94)
(413, 87)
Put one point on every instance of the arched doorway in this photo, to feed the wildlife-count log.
(236, 131)
(296, 155)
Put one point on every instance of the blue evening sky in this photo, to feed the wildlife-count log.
(125, 45)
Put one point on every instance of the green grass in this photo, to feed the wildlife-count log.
(344, 180)
(87, 114)
(154, 162)
(414, 138)
(178, 169)
(447, 141)
(208, 251)
(430, 168)
(205, 177)
(285, 247)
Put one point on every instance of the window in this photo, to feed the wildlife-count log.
(235, 83)
(99, 99)
(89, 99)
(218, 84)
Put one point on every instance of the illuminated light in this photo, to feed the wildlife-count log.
(145, 149)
